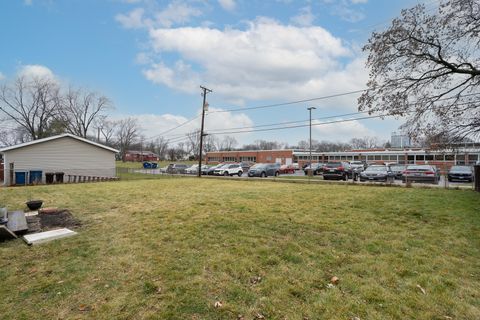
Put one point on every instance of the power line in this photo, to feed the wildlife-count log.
(291, 122)
(300, 126)
(334, 116)
(174, 128)
(290, 102)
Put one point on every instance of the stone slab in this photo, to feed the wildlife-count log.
(41, 237)
(6, 234)
(31, 213)
(17, 221)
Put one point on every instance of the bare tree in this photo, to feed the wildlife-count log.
(160, 147)
(426, 67)
(81, 109)
(365, 143)
(228, 143)
(126, 134)
(192, 146)
(210, 143)
(107, 129)
(31, 103)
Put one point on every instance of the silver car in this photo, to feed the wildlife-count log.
(421, 173)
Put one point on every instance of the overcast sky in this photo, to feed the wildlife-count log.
(150, 57)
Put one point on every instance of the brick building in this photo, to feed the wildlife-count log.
(468, 154)
(140, 156)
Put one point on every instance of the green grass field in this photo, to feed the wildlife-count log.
(172, 248)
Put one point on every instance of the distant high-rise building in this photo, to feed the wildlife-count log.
(400, 140)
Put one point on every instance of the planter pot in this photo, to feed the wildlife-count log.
(34, 204)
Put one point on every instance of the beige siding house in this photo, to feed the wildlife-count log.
(63, 153)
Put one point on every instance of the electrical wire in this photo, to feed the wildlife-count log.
(300, 126)
(288, 103)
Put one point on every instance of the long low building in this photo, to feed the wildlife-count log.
(465, 155)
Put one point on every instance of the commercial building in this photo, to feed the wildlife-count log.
(467, 154)
(400, 140)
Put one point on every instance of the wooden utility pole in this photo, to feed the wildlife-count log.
(204, 107)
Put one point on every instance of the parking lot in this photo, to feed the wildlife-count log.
(300, 176)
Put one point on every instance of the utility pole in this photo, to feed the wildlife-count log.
(310, 111)
(204, 107)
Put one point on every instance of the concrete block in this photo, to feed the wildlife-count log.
(41, 237)
(17, 221)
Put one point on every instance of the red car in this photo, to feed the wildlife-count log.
(287, 168)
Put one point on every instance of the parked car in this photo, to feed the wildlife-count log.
(357, 166)
(377, 173)
(210, 171)
(317, 168)
(337, 171)
(421, 173)
(176, 168)
(287, 168)
(264, 170)
(397, 170)
(192, 170)
(460, 173)
(246, 166)
(229, 170)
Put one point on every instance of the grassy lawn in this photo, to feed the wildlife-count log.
(171, 248)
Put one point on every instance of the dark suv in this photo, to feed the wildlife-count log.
(317, 168)
(264, 170)
(337, 171)
(176, 168)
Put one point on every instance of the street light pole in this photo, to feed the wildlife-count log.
(310, 111)
(204, 106)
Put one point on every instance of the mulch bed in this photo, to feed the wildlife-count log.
(50, 221)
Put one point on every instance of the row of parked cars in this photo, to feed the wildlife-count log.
(355, 170)
(388, 172)
(231, 169)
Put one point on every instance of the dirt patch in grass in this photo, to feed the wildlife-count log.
(50, 221)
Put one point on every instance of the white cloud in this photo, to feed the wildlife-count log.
(153, 125)
(343, 131)
(133, 20)
(28, 2)
(180, 77)
(34, 71)
(304, 18)
(344, 10)
(2, 76)
(175, 13)
(228, 5)
(267, 60)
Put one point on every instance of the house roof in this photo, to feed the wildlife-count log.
(65, 135)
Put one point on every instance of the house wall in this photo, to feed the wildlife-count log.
(65, 154)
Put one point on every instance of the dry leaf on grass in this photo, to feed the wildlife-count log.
(255, 280)
(421, 289)
(334, 280)
(218, 304)
(83, 307)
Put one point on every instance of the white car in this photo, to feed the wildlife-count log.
(229, 170)
(192, 170)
